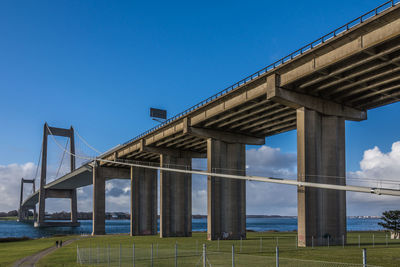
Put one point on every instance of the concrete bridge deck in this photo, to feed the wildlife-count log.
(314, 90)
(347, 75)
(83, 176)
(79, 178)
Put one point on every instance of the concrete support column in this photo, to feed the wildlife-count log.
(42, 190)
(175, 198)
(74, 207)
(320, 159)
(143, 201)
(99, 201)
(226, 198)
(20, 212)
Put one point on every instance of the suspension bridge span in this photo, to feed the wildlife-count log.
(314, 90)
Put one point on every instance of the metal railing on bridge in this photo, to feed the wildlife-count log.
(346, 27)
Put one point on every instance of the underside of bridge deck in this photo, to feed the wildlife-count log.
(314, 93)
(313, 90)
(143, 201)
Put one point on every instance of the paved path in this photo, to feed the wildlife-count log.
(30, 261)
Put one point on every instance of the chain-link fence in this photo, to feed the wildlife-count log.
(201, 255)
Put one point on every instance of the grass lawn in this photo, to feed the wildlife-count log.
(257, 250)
(12, 218)
(13, 251)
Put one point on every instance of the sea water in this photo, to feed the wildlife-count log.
(19, 229)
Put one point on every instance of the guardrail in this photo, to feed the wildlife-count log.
(348, 26)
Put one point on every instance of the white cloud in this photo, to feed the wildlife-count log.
(10, 183)
(262, 198)
(268, 198)
(199, 201)
(268, 161)
(376, 169)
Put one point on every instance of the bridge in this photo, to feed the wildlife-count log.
(314, 90)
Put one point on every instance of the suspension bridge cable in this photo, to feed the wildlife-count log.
(37, 166)
(309, 175)
(249, 178)
(68, 152)
(62, 158)
(86, 143)
(362, 189)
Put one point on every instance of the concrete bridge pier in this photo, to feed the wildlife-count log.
(99, 201)
(143, 201)
(321, 159)
(56, 193)
(61, 193)
(175, 197)
(100, 175)
(74, 207)
(23, 212)
(226, 198)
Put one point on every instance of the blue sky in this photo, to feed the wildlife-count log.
(100, 65)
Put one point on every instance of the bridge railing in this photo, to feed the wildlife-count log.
(348, 26)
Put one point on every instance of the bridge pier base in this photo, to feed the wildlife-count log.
(226, 198)
(320, 159)
(100, 174)
(56, 193)
(74, 207)
(23, 212)
(175, 198)
(143, 201)
(99, 201)
(60, 193)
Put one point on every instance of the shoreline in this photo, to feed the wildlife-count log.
(199, 217)
(26, 238)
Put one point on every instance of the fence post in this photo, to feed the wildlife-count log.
(77, 254)
(296, 242)
(176, 254)
(312, 241)
(133, 254)
(386, 239)
(364, 254)
(373, 240)
(260, 244)
(358, 240)
(218, 244)
(277, 241)
(342, 241)
(108, 254)
(328, 240)
(151, 255)
(240, 245)
(233, 255)
(204, 256)
(119, 255)
(277, 256)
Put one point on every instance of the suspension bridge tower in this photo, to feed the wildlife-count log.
(44, 192)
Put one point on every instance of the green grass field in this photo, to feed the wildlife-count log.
(12, 218)
(250, 253)
(13, 251)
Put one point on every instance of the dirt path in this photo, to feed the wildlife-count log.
(30, 261)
